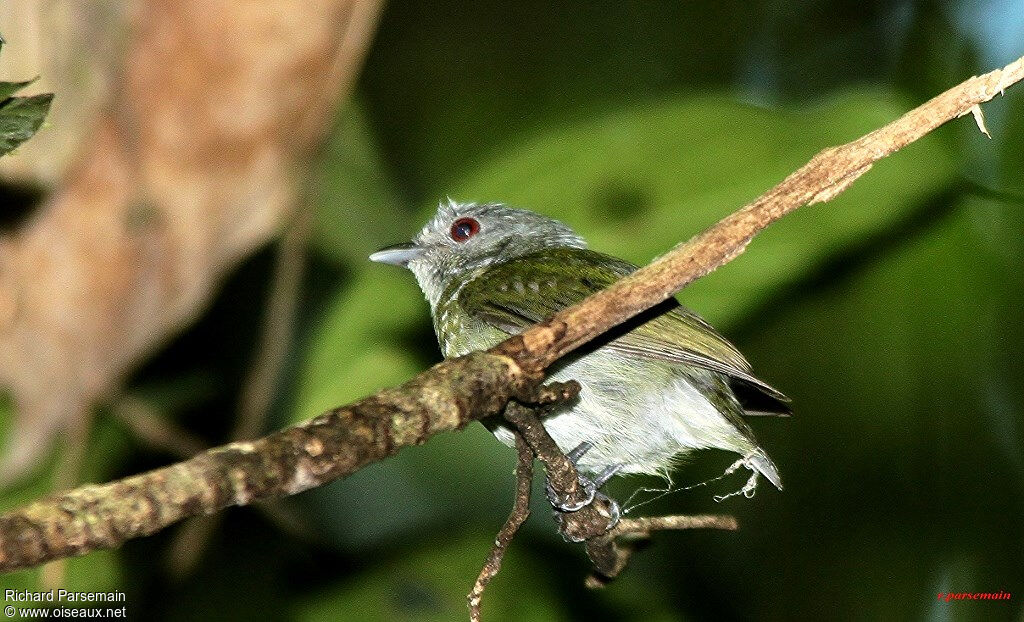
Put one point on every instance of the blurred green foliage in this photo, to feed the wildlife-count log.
(893, 316)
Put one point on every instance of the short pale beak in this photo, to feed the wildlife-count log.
(397, 254)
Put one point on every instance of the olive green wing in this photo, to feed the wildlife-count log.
(515, 294)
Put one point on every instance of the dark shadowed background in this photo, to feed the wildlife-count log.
(892, 316)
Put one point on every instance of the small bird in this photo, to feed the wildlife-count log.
(653, 390)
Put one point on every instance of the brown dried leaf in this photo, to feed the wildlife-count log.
(192, 167)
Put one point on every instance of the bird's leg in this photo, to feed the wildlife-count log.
(579, 451)
(590, 486)
(613, 506)
(605, 475)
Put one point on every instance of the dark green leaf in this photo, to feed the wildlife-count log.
(10, 88)
(20, 117)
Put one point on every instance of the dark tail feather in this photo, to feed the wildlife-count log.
(757, 403)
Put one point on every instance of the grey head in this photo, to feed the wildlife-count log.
(464, 238)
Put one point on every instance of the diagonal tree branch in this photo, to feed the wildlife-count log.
(454, 392)
(828, 173)
(334, 444)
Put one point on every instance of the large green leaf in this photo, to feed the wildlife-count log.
(10, 88)
(357, 346)
(352, 183)
(637, 182)
(1011, 155)
(448, 83)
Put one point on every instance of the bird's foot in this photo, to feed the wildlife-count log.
(749, 488)
(588, 485)
(590, 488)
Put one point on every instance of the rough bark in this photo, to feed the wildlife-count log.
(332, 445)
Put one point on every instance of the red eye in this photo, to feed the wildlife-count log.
(464, 228)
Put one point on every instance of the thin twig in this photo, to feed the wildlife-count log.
(453, 393)
(590, 521)
(520, 512)
(262, 381)
(644, 525)
(614, 549)
(154, 430)
(67, 475)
